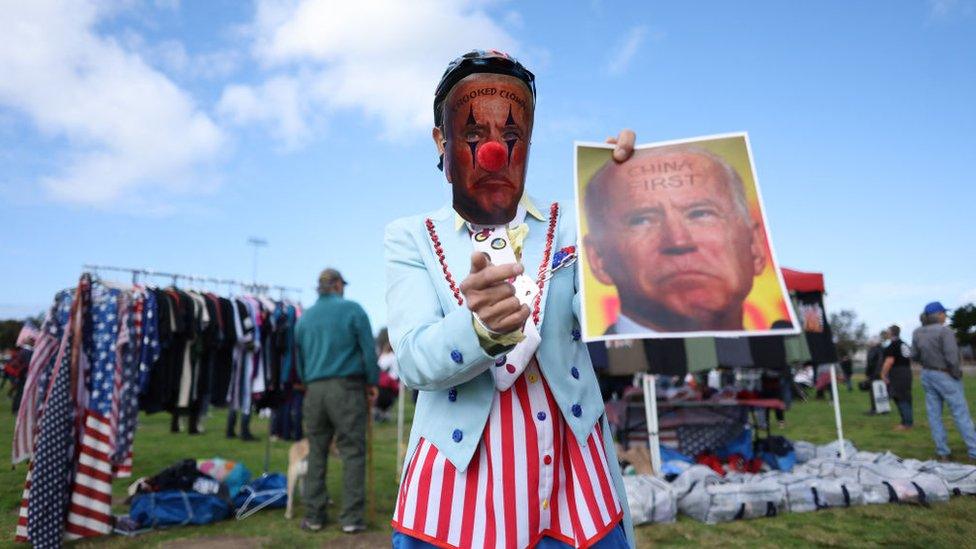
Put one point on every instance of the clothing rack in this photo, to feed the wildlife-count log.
(248, 286)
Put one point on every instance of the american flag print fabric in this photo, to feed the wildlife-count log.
(149, 348)
(529, 478)
(51, 467)
(38, 374)
(125, 399)
(89, 513)
(44, 354)
(20, 534)
(90, 509)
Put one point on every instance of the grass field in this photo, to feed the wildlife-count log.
(949, 525)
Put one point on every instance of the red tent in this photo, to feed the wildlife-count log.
(799, 281)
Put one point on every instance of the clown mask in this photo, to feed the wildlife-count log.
(485, 144)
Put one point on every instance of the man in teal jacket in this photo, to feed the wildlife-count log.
(337, 365)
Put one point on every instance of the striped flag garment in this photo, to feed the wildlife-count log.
(38, 375)
(51, 466)
(59, 329)
(26, 427)
(90, 510)
(21, 535)
(529, 478)
(89, 513)
(125, 398)
(124, 469)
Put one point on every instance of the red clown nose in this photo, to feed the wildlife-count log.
(491, 156)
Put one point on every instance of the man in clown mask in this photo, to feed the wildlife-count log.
(509, 446)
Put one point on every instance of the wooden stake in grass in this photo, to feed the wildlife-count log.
(370, 499)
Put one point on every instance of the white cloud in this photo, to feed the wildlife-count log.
(278, 102)
(624, 52)
(943, 9)
(130, 130)
(380, 57)
(172, 57)
(969, 296)
(514, 19)
(173, 5)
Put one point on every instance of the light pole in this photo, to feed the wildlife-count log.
(257, 243)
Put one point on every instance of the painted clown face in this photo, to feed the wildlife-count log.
(485, 143)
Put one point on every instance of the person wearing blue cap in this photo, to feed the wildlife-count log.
(934, 346)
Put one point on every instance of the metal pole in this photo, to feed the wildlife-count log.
(150, 273)
(256, 242)
(650, 413)
(840, 427)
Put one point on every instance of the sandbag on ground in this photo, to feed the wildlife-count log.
(805, 492)
(714, 500)
(960, 478)
(651, 499)
(808, 493)
(806, 451)
(923, 489)
(884, 482)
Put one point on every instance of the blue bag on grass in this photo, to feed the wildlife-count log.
(778, 453)
(176, 508)
(780, 463)
(741, 445)
(670, 454)
(269, 490)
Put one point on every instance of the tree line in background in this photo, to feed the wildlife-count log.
(963, 322)
(8, 333)
(850, 334)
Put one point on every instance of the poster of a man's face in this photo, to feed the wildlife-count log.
(675, 243)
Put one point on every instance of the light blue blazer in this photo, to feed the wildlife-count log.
(438, 350)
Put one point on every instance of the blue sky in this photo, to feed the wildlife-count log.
(163, 134)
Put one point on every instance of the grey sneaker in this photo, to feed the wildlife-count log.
(310, 526)
(353, 528)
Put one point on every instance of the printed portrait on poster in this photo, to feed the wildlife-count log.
(676, 244)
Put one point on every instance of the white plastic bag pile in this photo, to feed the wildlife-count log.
(884, 478)
(820, 480)
(651, 499)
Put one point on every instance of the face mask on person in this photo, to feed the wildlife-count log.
(484, 141)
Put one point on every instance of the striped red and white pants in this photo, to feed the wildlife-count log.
(529, 478)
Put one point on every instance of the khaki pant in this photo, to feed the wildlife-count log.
(336, 407)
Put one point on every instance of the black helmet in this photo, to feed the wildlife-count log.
(478, 61)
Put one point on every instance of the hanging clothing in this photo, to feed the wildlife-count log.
(103, 353)
(42, 517)
(734, 352)
(223, 362)
(39, 369)
(666, 357)
(768, 352)
(809, 306)
(701, 354)
(797, 350)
